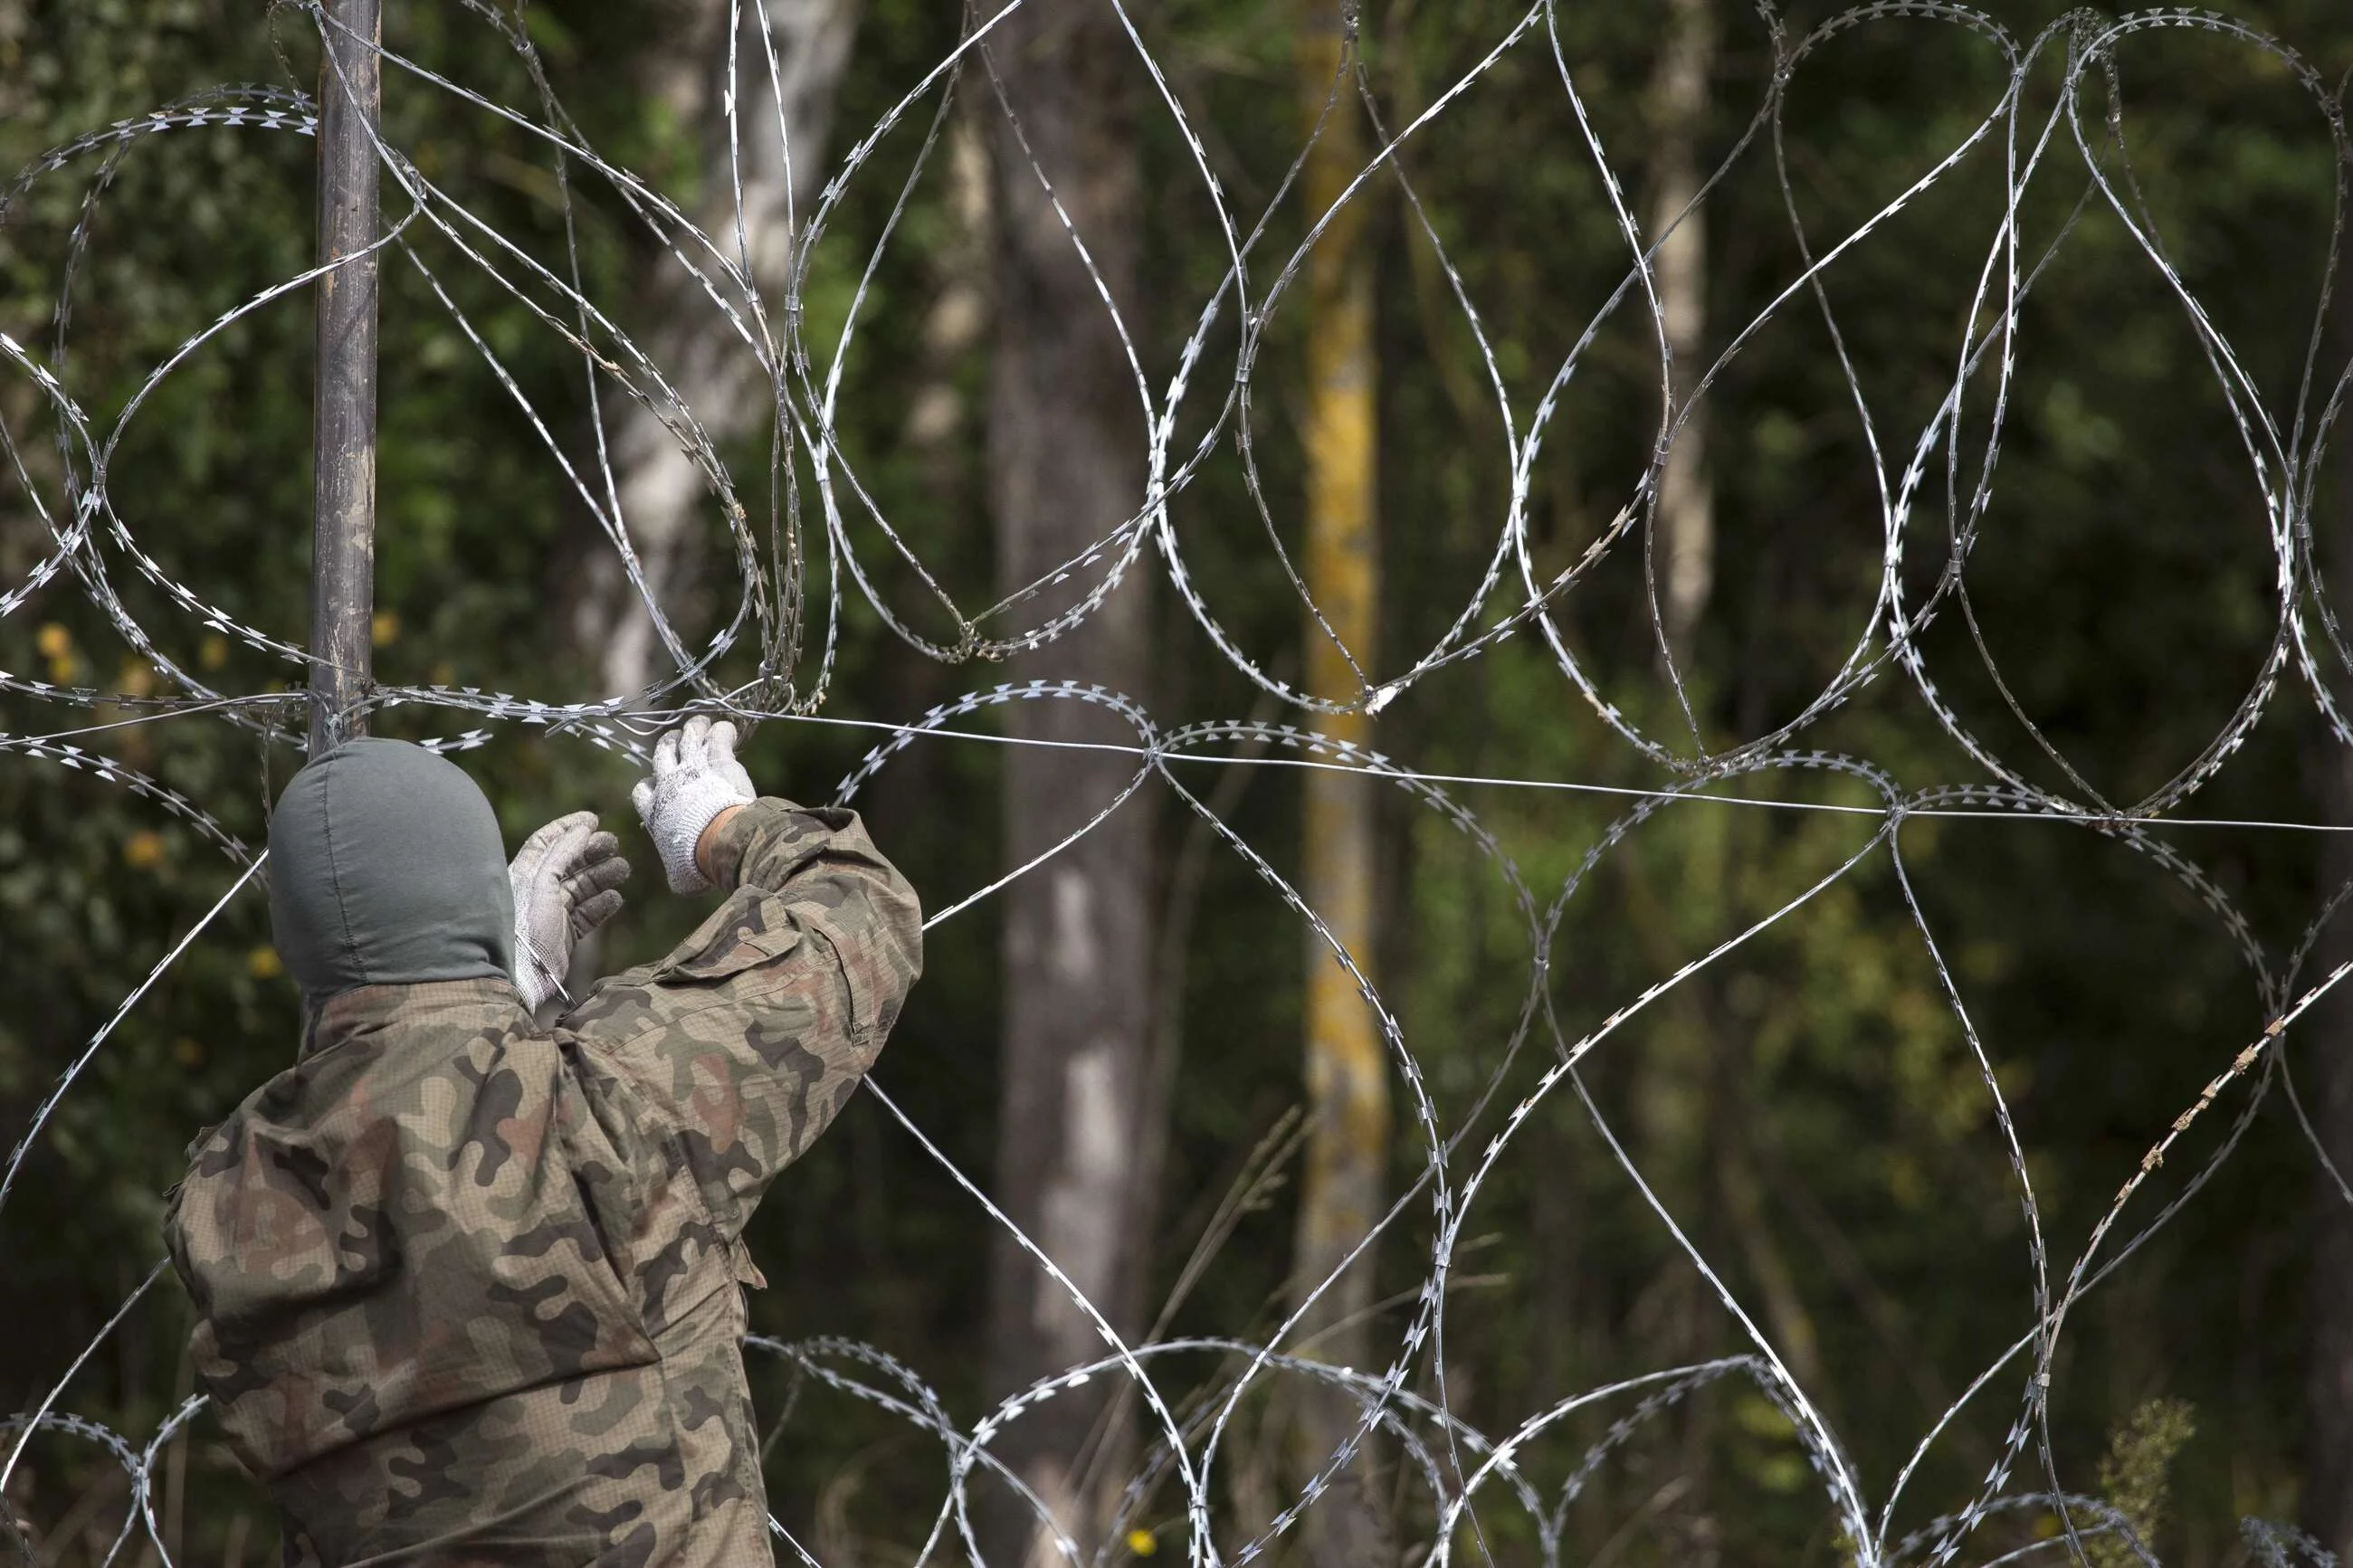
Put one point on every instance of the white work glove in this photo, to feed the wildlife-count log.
(566, 880)
(695, 778)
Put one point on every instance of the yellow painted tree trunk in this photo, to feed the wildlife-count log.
(1346, 1067)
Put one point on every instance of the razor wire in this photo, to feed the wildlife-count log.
(1189, 1414)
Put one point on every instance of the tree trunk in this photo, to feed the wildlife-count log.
(2324, 1055)
(1066, 456)
(1346, 1067)
(658, 487)
(2327, 1086)
(1686, 519)
(1675, 1115)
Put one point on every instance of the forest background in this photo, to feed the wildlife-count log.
(1807, 1106)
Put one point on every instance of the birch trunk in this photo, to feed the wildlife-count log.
(1686, 517)
(660, 492)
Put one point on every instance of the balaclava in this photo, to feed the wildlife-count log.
(387, 869)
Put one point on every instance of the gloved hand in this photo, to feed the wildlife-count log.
(566, 881)
(695, 778)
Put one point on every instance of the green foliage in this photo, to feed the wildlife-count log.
(2135, 1480)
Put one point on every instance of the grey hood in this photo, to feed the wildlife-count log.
(387, 869)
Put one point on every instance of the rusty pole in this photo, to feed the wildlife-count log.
(343, 523)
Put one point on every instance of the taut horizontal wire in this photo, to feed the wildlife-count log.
(1627, 792)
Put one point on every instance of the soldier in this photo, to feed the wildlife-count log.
(469, 1288)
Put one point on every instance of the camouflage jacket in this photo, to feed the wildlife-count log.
(468, 1290)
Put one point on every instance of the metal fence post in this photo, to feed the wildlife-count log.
(343, 526)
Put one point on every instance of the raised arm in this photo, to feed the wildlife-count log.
(746, 1040)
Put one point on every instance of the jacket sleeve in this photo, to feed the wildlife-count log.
(744, 1043)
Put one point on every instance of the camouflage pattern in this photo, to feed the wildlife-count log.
(470, 1290)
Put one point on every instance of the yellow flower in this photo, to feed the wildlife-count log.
(384, 630)
(213, 652)
(264, 964)
(143, 850)
(136, 678)
(57, 645)
(187, 1052)
(1143, 1543)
